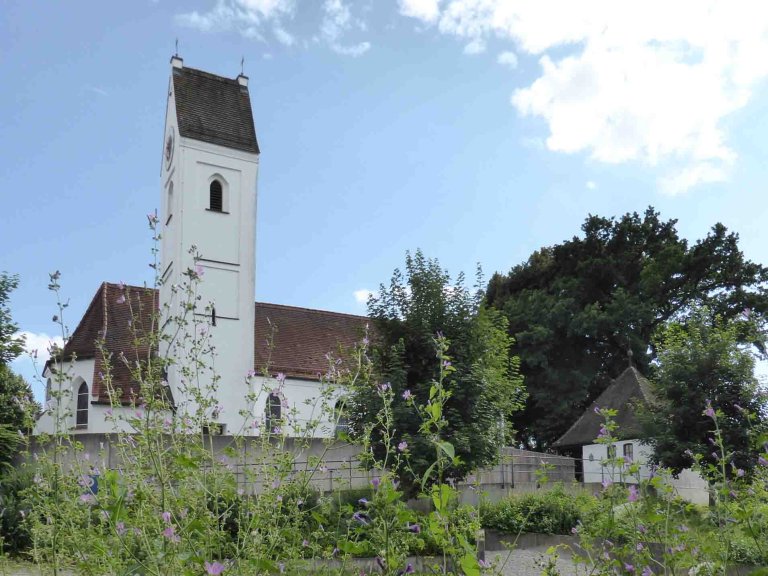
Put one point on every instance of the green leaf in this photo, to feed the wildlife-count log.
(470, 565)
(447, 447)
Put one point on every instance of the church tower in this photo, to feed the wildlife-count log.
(209, 172)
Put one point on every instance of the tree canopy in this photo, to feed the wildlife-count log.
(484, 383)
(15, 393)
(701, 364)
(575, 309)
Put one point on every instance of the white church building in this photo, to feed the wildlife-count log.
(209, 197)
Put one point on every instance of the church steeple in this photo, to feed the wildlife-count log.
(210, 168)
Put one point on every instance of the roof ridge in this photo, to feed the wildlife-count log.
(303, 308)
(205, 74)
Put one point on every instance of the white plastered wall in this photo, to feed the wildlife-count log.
(689, 485)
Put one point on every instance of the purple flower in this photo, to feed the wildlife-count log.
(629, 567)
(120, 529)
(740, 473)
(407, 395)
(166, 517)
(715, 455)
(403, 446)
(596, 410)
(415, 528)
(446, 364)
(762, 461)
(362, 518)
(381, 563)
(375, 483)
(606, 482)
(633, 493)
(642, 529)
(484, 563)
(709, 411)
(305, 543)
(363, 501)
(409, 568)
(639, 547)
(647, 571)
(214, 569)
(384, 387)
(199, 270)
(88, 498)
(170, 534)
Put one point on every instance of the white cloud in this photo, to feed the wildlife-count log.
(337, 20)
(508, 59)
(591, 185)
(426, 10)
(476, 46)
(361, 296)
(39, 345)
(248, 17)
(284, 37)
(644, 82)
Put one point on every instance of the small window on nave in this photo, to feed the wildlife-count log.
(81, 416)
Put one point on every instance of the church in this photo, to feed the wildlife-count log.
(207, 228)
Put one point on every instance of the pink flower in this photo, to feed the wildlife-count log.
(166, 517)
(606, 482)
(280, 377)
(633, 493)
(709, 411)
(214, 569)
(120, 529)
(407, 395)
(403, 446)
(762, 461)
(199, 270)
(170, 534)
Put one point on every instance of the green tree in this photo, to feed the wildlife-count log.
(577, 308)
(10, 345)
(15, 393)
(701, 364)
(484, 383)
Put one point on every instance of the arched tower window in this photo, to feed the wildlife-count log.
(273, 413)
(81, 416)
(216, 196)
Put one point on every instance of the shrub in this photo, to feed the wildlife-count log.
(549, 512)
(14, 533)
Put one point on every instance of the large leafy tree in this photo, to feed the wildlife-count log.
(15, 393)
(484, 383)
(576, 309)
(702, 365)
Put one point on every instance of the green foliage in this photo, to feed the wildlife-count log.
(10, 346)
(15, 537)
(702, 366)
(483, 386)
(546, 512)
(576, 308)
(17, 406)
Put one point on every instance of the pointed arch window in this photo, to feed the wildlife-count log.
(216, 196)
(81, 416)
(273, 413)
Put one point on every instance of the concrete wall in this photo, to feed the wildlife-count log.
(340, 470)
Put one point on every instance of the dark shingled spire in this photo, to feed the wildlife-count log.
(214, 109)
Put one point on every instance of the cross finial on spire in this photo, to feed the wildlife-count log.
(177, 46)
(629, 356)
(242, 64)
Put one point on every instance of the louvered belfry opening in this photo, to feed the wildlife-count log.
(217, 196)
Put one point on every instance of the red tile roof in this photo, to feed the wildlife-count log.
(301, 338)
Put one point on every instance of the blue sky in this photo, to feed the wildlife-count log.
(478, 131)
